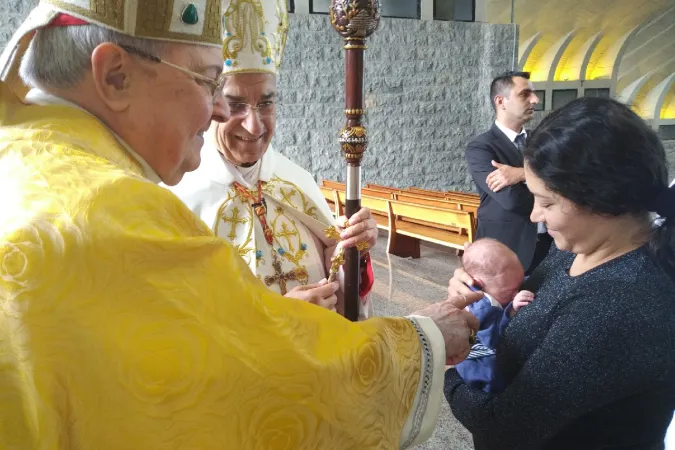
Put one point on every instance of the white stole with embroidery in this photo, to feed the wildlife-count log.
(297, 213)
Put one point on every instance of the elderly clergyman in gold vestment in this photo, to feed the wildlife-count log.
(124, 322)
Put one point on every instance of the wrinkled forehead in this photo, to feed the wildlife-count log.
(250, 85)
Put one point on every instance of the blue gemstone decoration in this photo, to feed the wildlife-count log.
(228, 62)
(258, 254)
(303, 246)
(262, 33)
(281, 251)
(228, 34)
(268, 60)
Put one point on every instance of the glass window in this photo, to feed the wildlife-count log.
(542, 100)
(459, 10)
(319, 6)
(409, 9)
(561, 97)
(391, 8)
(601, 92)
(667, 132)
(444, 9)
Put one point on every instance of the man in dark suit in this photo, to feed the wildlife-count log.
(495, 160)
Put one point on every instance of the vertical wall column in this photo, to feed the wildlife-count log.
(301, 6)
(427, 9)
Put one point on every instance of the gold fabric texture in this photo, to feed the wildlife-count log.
(125, 324)
(106, 12)
(152, 18)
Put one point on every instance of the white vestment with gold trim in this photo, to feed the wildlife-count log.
(297, 213)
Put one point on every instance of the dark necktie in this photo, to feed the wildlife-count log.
(520, 142)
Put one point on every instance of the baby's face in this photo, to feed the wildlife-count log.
(504, 286)
(497, 267)
(510, 274)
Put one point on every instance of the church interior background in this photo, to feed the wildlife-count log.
(427, 73)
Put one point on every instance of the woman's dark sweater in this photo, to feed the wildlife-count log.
(589, 364)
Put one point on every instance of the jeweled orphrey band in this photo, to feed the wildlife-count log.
(354, 20)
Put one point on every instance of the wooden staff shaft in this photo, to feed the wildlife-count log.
(354, 20)
(354, 113)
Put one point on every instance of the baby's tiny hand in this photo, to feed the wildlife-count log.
(522, 298)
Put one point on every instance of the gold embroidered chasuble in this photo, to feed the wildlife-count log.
(297, 214)
(126, 324)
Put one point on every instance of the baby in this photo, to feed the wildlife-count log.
(499, 275)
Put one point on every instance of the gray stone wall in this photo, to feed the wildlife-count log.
(426, 94)
(670, 154)
(12, 13)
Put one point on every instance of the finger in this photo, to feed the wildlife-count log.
(464, 300)
(340, 222)
(358, 228)
(462, 276)
(367, 237)
(308, 287)
(327, 289)
(493, 177)
(496, 164)
(498, 187)
(458, 357)
(497, 181)
(361, 215)
(471, 321)
(329, 302)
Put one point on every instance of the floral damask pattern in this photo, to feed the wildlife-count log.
(126, 324)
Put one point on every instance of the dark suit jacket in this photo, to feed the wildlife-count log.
(503, 215)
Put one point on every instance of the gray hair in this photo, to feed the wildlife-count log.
(59, 57)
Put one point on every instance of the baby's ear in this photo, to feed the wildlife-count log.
(478, 283)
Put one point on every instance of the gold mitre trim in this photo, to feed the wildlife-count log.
(254, 35)
(163, 20)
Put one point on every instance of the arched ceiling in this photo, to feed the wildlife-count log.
(628, 43)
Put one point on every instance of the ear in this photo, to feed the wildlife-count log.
(499, 101)
(478, 283)
(112, 75)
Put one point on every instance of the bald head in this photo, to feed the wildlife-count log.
(496, 267)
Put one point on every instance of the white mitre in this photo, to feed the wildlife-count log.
(254, 35)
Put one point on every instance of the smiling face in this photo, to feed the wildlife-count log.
(245, 137)
(572, 228)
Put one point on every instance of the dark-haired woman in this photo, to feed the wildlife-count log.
(590, 363)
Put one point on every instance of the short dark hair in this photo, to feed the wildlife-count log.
(503, 83)
(603, 157)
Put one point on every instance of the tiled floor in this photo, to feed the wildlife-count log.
(417, 283)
